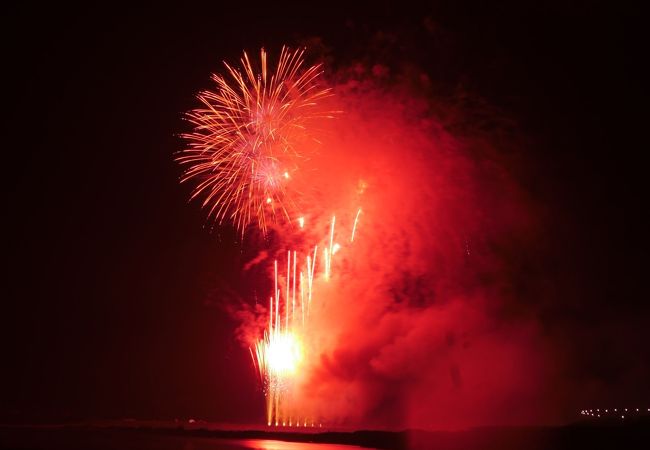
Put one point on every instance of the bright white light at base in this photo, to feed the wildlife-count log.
(284, 353)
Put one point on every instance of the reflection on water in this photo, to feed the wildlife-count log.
(107, 439)
(257, 444)
(264, 444)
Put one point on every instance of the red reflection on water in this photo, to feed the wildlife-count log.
(265, 444)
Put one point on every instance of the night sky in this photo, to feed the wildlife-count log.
(115, 286)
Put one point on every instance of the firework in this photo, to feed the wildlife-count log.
(249, 139)
(281, 352)
(249, 145)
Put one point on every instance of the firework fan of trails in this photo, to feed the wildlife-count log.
(244, 152)
(280, 354)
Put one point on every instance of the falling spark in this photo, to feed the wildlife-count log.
(329, 252)
(293, 302)
(354, 227)
(332, 233)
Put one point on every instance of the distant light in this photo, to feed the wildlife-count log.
(301, 222)
(268, 200)
(335, 248)
(286, 175)
(622, 417)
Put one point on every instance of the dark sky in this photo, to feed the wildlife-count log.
(110, 304)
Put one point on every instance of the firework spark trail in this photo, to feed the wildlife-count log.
(354, 227)
(280, 353)
(244, 148)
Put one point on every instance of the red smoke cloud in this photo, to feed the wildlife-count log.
(421, 324)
